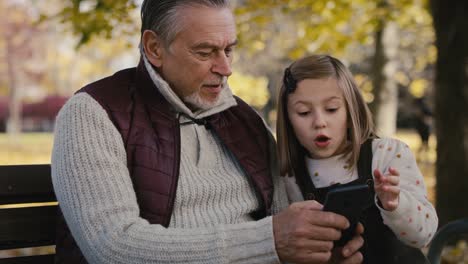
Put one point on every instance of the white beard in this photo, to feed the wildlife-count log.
(196, 102)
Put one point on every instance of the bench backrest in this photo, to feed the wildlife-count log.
(28, 210)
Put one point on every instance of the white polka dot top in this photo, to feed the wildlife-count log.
(415, 220)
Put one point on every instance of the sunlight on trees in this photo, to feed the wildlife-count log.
(251, 89)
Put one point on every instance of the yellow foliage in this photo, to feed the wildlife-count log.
(401, 78)
(364, 84)
(360, 79)
(258, 45)
(251, 89)
(418, 87)
(432, 54)
(368, 97)
(421, 63)
(367, 87)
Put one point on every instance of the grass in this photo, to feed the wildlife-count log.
(26, 148)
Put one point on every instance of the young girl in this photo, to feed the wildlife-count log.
(326, 138)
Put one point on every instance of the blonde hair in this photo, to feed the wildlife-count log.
(361, 127)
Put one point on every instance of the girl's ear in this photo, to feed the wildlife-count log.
(153, 47)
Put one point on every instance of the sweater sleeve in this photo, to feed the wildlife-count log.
(95, 192)
(415, 220)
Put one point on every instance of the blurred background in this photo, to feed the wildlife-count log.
(409, 58)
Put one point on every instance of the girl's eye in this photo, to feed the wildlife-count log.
(303, 113)
(332, 110)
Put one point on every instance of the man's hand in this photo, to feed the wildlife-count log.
(305, 234)
(387, 188)
(349, 254)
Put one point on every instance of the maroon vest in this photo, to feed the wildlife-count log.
(150, 131)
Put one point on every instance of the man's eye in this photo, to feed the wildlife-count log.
(204, 54)
(228, 52)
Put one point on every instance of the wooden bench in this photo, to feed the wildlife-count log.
(28, 211)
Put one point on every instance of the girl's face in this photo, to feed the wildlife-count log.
(318, 115)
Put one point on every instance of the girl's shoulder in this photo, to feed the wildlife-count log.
(388, 142)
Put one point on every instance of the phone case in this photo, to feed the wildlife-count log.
(349, 201)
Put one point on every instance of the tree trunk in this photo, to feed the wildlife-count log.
(451, 100)
(385, 104)
(14, 119)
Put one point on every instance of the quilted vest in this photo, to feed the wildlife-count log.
(151, 135)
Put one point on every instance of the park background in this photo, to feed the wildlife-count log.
(400, 52)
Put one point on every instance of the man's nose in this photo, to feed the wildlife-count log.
(222, 65)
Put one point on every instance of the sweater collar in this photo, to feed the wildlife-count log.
(225, 101)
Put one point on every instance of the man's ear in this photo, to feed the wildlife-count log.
(152, 46)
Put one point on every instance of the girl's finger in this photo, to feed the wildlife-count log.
(392, 180)
(393, 171)
(391, 189)
(378, 176)
(391, 205)
(378, 187)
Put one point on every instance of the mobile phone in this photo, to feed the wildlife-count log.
(349, 201)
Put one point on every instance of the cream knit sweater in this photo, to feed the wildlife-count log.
(210, 222)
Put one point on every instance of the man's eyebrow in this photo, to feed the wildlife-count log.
(207, 45)
(234, 43)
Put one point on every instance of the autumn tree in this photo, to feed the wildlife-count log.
(89, 19)
(18, 35)
(275, 32)
(272, 33)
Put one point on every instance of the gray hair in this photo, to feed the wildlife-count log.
(161, 16)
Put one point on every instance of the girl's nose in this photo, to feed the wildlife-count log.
(319, 121)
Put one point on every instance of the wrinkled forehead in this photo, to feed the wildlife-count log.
(212, 24)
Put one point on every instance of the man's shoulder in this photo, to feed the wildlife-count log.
(119, 78)
(112, 91)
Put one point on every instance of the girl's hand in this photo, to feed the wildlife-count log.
(387, 188)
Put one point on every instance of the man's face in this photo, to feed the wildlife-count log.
(198, 61)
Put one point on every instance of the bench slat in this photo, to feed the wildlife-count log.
(27, 227)
(42, 259)
(26, 184)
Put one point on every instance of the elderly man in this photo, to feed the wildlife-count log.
(162, 164)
